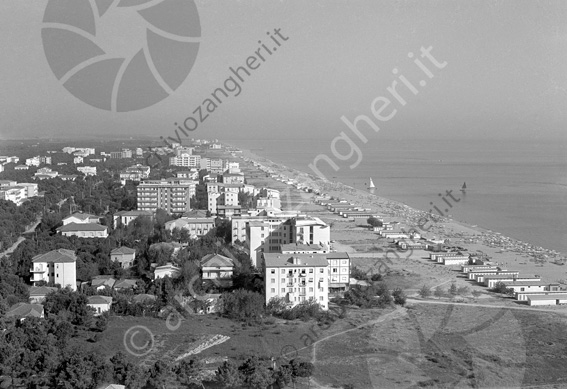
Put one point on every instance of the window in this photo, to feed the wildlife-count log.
(334, 270)
(310, 270)
(273, 290)
(273, 271)
(283, 290)
(273, 280)
(311, 289)
(320, 298)
(283, 280)
(321, 270)
(283, 271)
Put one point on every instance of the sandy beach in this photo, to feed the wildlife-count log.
(355, 237)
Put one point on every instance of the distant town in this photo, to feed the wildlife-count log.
(95, 242)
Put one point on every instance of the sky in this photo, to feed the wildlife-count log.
(504, 74)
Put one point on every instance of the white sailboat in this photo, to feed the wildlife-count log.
(371, 186)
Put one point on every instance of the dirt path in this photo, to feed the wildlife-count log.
(416, 301)
(13, 247)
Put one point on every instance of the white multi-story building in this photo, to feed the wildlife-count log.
(34, 161)
(77, 160)
(186, 160)
(196, 227)
(87, 170)
(297, 278)
(57, 267)
(137, 172)
(15, 194)
(172, 195)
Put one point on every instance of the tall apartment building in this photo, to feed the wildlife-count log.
(267, 234)
(125, 153)
(212, 165)
(172, 195)
(297, 278)
(57, 266)
(186, 160)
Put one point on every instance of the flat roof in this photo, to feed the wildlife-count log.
(548, 297)
(531, 283)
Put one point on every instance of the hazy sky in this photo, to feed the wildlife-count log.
(506, 72)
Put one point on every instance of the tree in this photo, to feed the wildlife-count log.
(476, 293)
(229, 376)
(399, 297)
(374, 222)
(439, 292)
(500, 287)
(255, 374)
(189, 372)
(158, 374)
(452, 291)
(126, 373)
(463, 290)
(425, 292)
(243, 305)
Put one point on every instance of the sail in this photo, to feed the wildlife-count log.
(371, 184)
(464, 185)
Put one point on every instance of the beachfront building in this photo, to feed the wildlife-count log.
(296, 278)
(196, 227)
(212, 165)
(55, 267)
(490, 281)
(84, 230)
(81, 218)
(124, 218)
(548, 299)
(267, 234)
(172, 195)
(186, 160)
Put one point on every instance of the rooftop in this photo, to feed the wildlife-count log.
(306, 260)
(56, 256)
(216, 260)
(25, 310)
(123, 250)
(82, 227)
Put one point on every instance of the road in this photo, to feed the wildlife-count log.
(11, 249)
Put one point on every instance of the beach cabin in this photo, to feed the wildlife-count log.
(100, 304)
(491, 280)
(550, 299)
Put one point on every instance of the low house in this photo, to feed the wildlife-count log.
(144, 298)
(411, 244)
(102, 282)
(125, 284)
(167, 270)
(22, 310)
(217, 269)
(84, 230)
(532, 286)
(456, 260)
(38, 293)
(124, 255)
(523, 296)
(550, 299)
(196, 227)
(468, 268)
(491, 280)
(81, 218)
(126, 217)
(100, 304)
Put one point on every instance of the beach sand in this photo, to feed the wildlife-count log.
(360, 242)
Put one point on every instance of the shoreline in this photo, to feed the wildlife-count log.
(458, 232)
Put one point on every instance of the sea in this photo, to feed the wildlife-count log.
(515, 187)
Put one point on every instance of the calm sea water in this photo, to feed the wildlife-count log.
(517, 188)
